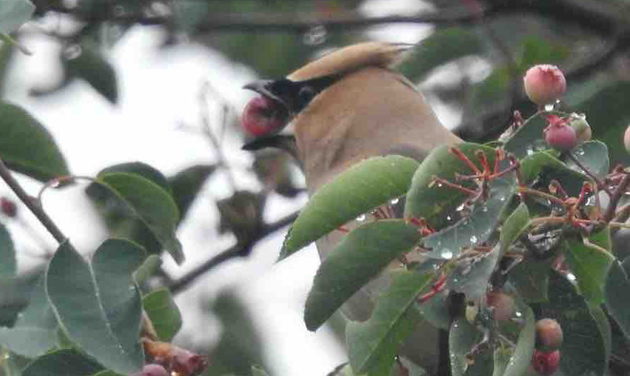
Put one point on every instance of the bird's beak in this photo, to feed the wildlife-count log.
(279, 141)
(262, 87)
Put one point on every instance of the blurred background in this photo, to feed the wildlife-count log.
(160, 82)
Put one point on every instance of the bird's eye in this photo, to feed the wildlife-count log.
(305, 95)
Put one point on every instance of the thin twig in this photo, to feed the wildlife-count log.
(241, 249)
(609, 214)
(587, 171)
(31, 204)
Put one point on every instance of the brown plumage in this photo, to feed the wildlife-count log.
(345, 107)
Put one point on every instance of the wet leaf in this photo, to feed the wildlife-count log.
(593, 155)
(616, 294)
(62, 363)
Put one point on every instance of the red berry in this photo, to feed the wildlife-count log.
(188, 363)
(502, 305)
(263, 116)
(548, 335)
(546, 363)
(544, 84)
(560, 135)
(152, 370)
(8, 207)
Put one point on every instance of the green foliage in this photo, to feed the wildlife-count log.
(163, 313)
(616, 292)
(8, 266)
(92, 67)
(362, 188)
(61, 363)
(27, 147)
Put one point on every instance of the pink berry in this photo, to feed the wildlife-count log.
(560, 135)
(152, 370)
(188, 363)
(263, 116)
(548, 335)
(546, 363)
(502, 305)
(544, 84)
(8, 207)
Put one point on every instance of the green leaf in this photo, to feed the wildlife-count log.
(8, 266)
(257, 371)
(150, 265)
(462, 337)
(151, 204)
(186, 185)
(27, 147)
(593, 155)
(35, 331)
(92, 67)
(514, 226)
(62, 363)
(521, 359)
(358, 190)
(142, 169)
(471, 276)
(14, 13)
(163, 312)
(358, 258)
(442, 46)
(616, 294)
(589, 263)
(98, 305)
(373, 344)
(531, 279)
(584, 347)
(107, 373)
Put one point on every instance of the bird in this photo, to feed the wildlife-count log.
(344, 107)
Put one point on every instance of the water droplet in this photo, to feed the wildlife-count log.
(394, 201)
(549, 107)
(473, 239)
(446, 253)
(518, 314)
(580, 151)
(315, 36)
(571, 277)
(484, 209)
(529, 150)
(361, 218)
(460, 207)
(466, 270)
(448, 218)
(439, 185)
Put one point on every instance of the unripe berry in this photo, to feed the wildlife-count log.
(548, 335)
(546, 363)
(544, 84)
(626, 139)
(502, 304)
(8, 207)
(581, 127)
(152, 370)
(560, 135)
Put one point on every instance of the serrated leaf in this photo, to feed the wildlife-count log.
(163, 312)
(98, 304)
(589, 263)
(373, 344)
(187, 183)
(62, 363)
(8, 266)
(92, 67)
(593, 155)
(616, 294)
(14, 13)
(35, 331)
(584, 347)
(356, 191)
(522, 356)
(357, 259)
(151, 204)
(27, 147)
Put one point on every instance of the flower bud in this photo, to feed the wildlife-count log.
(502, 305)
(544, 84)
(560, 135)
(152, 370)
(546, 363)
(548, 335)
(581, 127)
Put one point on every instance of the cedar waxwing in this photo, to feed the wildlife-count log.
(345, 107)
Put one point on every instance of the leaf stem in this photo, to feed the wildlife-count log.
(615, 197)
(31, 204)
(587, 171)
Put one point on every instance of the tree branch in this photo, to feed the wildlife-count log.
(241, 249)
